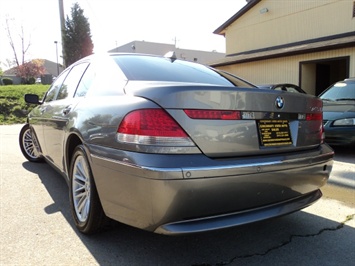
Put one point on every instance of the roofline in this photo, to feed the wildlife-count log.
(289, 45)
(240, 13)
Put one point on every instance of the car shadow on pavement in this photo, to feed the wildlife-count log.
(343, 173)
(344, 154)
(302, 238)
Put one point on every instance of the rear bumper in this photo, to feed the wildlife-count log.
(240, 218)
(173, 194)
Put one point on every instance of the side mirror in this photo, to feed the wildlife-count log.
(32, 98)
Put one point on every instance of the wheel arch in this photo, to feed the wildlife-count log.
(72, 142)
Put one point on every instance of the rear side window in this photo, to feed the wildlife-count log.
(85, 82)
(71, 82)
(150, 68)
(57, 84)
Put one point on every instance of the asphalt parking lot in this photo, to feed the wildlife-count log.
(36, 226)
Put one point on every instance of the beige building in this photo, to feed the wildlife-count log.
(154, 48)
(308, 43)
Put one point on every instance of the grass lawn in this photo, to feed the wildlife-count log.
(13, 108)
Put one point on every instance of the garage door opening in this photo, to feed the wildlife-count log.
(317, 75)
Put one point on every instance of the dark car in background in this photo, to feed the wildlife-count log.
(176, 147)
(283, 87)
(339, 113)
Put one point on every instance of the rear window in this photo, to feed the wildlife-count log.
(151, 68)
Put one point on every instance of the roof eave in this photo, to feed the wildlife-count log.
(241, 12)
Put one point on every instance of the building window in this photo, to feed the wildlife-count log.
(195, 59)
(354, 9)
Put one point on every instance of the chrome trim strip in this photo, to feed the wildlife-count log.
(253, 168)
(141, 171)
(235, 168)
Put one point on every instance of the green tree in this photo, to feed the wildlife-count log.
(77, 41)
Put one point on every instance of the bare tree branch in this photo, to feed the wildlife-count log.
(12, 44)
(24, 46)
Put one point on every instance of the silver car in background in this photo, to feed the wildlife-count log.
(176, 147)
(339, 113)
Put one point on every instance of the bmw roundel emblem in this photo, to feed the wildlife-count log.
(280, 102)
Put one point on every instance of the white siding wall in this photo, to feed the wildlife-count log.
(288, 21)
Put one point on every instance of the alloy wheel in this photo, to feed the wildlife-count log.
(81, 188)
(29, 145)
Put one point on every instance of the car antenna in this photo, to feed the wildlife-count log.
(171, 55)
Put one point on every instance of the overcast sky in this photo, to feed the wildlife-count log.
(116, 22)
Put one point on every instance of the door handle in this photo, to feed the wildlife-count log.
(66, 110)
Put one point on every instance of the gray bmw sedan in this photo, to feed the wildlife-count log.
(176, 147)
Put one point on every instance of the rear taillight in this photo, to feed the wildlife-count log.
(314, 116)
(317, 117)
(213, 114)
(152, 127)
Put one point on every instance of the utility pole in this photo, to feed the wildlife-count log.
(175, 41)
(62, 25)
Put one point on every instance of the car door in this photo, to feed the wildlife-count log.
(39, 117)
(58, 113)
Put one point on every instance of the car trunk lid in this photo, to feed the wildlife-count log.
(266, 122)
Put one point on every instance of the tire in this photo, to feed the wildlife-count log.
(85, 204)
(29, 145)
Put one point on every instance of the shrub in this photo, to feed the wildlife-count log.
(7, 81)
(31, 81)
(18, 111)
